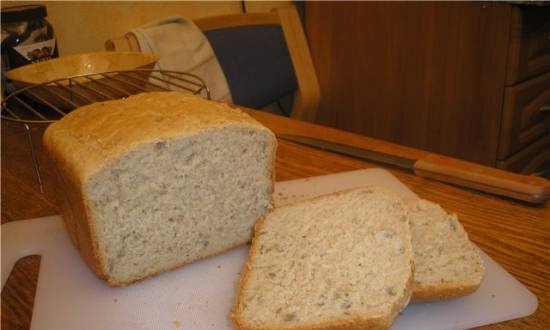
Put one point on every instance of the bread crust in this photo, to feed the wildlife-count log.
(442, 292)
(356, 323)
(74, 209)
(76, 154)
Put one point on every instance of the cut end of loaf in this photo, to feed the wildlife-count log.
(341, 261)
(174, 201)
(158, 180)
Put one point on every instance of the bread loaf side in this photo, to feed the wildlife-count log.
(158, 180)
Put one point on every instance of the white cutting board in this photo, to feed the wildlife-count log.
(200, 295)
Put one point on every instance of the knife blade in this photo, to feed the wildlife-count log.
(349, 150)
(445, 169)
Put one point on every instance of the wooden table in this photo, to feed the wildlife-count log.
(514, 234)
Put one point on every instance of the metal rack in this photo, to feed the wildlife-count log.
(50, 101)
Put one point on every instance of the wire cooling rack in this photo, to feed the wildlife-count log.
(50, 101)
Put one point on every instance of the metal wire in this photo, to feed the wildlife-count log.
(34, 159)
(50, 101)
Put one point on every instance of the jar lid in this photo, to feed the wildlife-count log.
(23, 13)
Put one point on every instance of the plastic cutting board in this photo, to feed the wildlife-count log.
(200, 295)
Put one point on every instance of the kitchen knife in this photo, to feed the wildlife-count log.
(446, 169)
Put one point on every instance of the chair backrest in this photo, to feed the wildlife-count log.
(264, 56)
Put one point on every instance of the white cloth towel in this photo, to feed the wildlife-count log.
(182, 46)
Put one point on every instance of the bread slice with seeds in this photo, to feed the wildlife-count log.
(447, 264)
(339, 261)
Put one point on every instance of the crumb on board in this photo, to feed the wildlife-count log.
(493, 295)
(115, 300)
(219, 266)
(177, 323)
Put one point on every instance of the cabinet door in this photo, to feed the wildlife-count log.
(533, 159)
(529, 53)
(526, 115)
(428, 75)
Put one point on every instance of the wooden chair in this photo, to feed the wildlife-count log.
(246, 62)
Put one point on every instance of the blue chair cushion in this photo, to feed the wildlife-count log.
(256, 63)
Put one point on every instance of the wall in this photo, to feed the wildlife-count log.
(84, 26)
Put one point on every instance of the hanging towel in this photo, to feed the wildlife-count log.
(182, 46)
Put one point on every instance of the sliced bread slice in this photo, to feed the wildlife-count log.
(339, 261)
(447, 264)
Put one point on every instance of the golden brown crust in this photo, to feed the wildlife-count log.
(235, 313)
(357, 323)
(441, 292)
(73, 209)
(84, 141)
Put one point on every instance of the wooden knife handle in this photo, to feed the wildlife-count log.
(483, 178)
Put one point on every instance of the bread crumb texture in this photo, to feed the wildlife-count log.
(445, 259)
(343, 259)
(167, 178)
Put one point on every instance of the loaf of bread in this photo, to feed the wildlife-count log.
(447, 264)
(339, 261)
(155, 181)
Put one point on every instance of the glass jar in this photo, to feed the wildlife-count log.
(27, 36)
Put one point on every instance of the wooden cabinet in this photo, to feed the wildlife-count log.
(535, 158)
(529, 50)
(466, 79)
(525, 114)
(524, 144)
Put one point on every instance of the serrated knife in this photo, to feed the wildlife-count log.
(461, 173)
